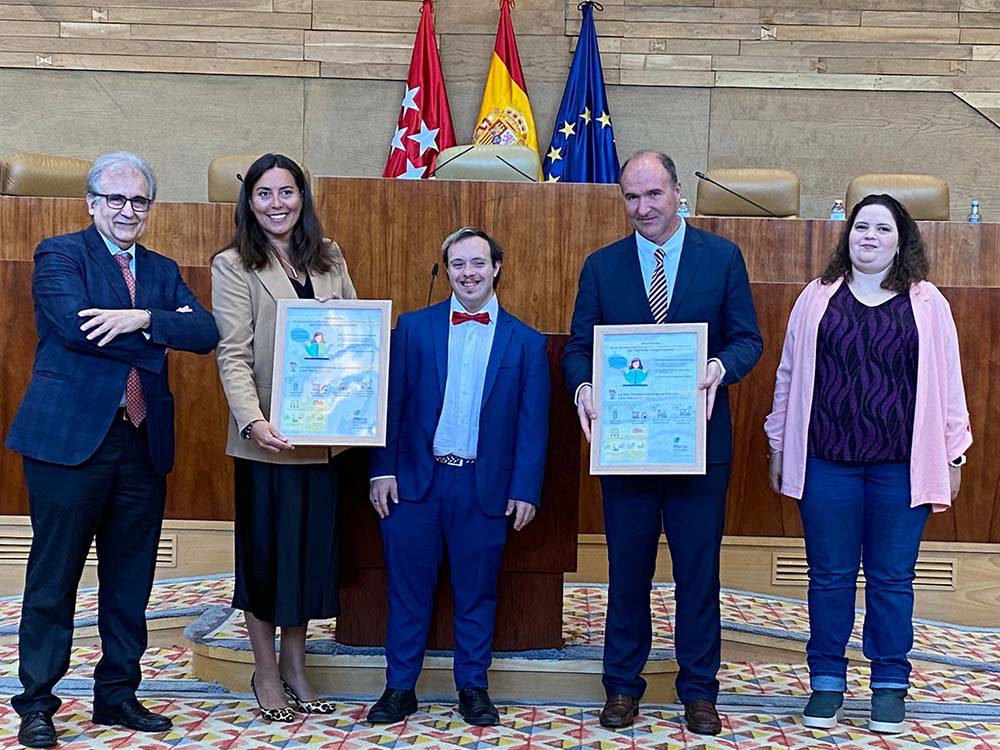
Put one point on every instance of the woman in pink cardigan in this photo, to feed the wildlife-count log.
(868, 430)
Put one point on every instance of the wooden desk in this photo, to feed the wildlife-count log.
(391, 232)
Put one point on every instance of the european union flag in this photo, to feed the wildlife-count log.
(583, 141)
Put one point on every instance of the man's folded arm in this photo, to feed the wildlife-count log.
(60, 295)
(193, 331)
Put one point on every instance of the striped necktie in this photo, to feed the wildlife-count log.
(135, 403)
(658, 289)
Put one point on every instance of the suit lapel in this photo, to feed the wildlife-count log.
(686, 269)
(276, 282)
(109, 266)
(635, 284)
(439, 333)
(501, 337)
(143, 277)
(321, 282)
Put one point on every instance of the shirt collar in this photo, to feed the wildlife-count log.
(492, 307)
(114, 248)
(671, 246)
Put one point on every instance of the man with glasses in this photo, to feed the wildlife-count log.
(96, 433)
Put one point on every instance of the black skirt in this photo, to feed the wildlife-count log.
(287, 566)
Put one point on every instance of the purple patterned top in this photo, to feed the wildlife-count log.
(866, 380)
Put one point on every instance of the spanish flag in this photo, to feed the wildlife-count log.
(505, 117)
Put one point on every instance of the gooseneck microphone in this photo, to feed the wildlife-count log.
(434, 275)
(706, 178)
(449, 160)
(514, 167)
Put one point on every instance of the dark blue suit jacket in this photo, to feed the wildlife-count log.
(513, 416)
(76, 385)
(711, 286)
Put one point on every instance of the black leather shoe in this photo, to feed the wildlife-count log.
(36, 730)
(702, 718)
(394, 706)
(476, 707)
(133, 715)
(619, 711)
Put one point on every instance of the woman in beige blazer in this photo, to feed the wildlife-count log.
(285, 498)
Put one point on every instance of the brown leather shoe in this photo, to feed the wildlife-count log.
(702, 718)
(619, 711)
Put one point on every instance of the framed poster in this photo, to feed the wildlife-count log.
(331, 371)
(650, 412)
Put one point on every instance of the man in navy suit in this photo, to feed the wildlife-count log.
(465, 448)
(667, 272)
(96, 430)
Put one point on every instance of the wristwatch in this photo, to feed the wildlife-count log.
(960, 461)
(247, 431)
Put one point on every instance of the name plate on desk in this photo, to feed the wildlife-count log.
(331, 371)
(650, 413)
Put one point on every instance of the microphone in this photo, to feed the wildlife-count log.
(523, 174)
(438, 165)
(434, 275)
(706, 178)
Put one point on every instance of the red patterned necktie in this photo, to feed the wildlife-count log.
(135, 404)
(458, 317)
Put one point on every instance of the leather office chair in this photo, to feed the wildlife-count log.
(42, 175)
(223, 184)
(467, 162)
(924, 196)
(776, 189)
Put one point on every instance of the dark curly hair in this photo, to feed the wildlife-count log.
(910, 264)
(307, 248)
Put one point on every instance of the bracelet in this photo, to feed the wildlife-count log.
(247, 431)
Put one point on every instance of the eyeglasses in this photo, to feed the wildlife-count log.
(140, 204)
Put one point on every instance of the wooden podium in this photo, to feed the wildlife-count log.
(529, 610)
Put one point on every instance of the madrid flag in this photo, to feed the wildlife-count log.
(505, 115)
(424, 127)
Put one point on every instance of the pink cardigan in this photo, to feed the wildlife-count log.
(941, 430)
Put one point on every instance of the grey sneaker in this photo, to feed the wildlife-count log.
(888, 710)
(824, 709)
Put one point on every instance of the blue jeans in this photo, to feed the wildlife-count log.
(854, 513)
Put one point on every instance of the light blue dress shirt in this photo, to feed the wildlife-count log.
(671, 258)
(469, 346)
(114, 250)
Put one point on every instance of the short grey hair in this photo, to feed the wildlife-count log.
(104, 162)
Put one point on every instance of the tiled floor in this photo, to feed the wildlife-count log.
(951, 707)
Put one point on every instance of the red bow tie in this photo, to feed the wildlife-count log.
(458, 317)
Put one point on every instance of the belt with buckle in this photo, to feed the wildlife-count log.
(452, 460)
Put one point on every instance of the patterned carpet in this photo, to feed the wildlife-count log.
(950, 707)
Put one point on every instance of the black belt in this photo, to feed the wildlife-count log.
(121, 415)
(452, 460)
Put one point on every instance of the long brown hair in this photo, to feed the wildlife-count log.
(306, 249)
(910, 264)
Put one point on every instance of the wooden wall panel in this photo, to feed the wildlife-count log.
(391, 232)
(743, 43)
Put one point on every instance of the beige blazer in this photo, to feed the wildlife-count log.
(244, 306)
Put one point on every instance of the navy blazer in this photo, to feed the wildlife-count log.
(712, 287)
(513, 416)
(76, 385)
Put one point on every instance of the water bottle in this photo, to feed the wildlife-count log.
(683, 209)
(974, 216)
(837, 213)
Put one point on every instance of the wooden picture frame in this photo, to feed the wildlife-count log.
(330, 382)
(650, 411)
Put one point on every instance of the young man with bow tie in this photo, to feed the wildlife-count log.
(465, 450)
